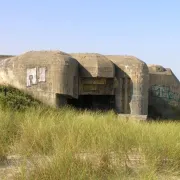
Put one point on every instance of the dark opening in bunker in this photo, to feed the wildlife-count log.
(93, 102)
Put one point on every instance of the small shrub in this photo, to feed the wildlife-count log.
(15, 99)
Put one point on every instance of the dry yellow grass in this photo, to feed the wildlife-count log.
(70, 144)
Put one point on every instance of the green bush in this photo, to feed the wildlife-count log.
(15, 99)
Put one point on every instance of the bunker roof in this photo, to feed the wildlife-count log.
(94, 64)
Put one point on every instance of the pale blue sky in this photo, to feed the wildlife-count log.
(148, 29)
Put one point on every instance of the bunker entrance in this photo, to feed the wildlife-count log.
(93, 102)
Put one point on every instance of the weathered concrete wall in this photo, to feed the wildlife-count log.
(96, 74)
(94, 65)
(132, 92)
(164, 93)
(44, 74)
(53, 76)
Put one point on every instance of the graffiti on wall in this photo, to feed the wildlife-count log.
(35, 75)
(166, 93)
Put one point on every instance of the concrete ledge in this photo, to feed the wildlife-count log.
(132, 116)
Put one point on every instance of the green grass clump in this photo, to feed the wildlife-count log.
(14, 99)
(9, 127)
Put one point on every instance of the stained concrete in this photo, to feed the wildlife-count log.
(164, 93)
(56, 78)
(94, 65)
(24, 72)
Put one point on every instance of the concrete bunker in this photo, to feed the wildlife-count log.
(46, 75)
(84, 80)
(132, 91)
(94, 81)
(97, 82)
(164, 93)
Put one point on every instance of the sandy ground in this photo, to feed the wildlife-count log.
(13, 165)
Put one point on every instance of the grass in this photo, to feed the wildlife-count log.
(71, 144)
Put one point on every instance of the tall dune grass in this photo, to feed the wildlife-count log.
(90, 145)
(71, 144)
